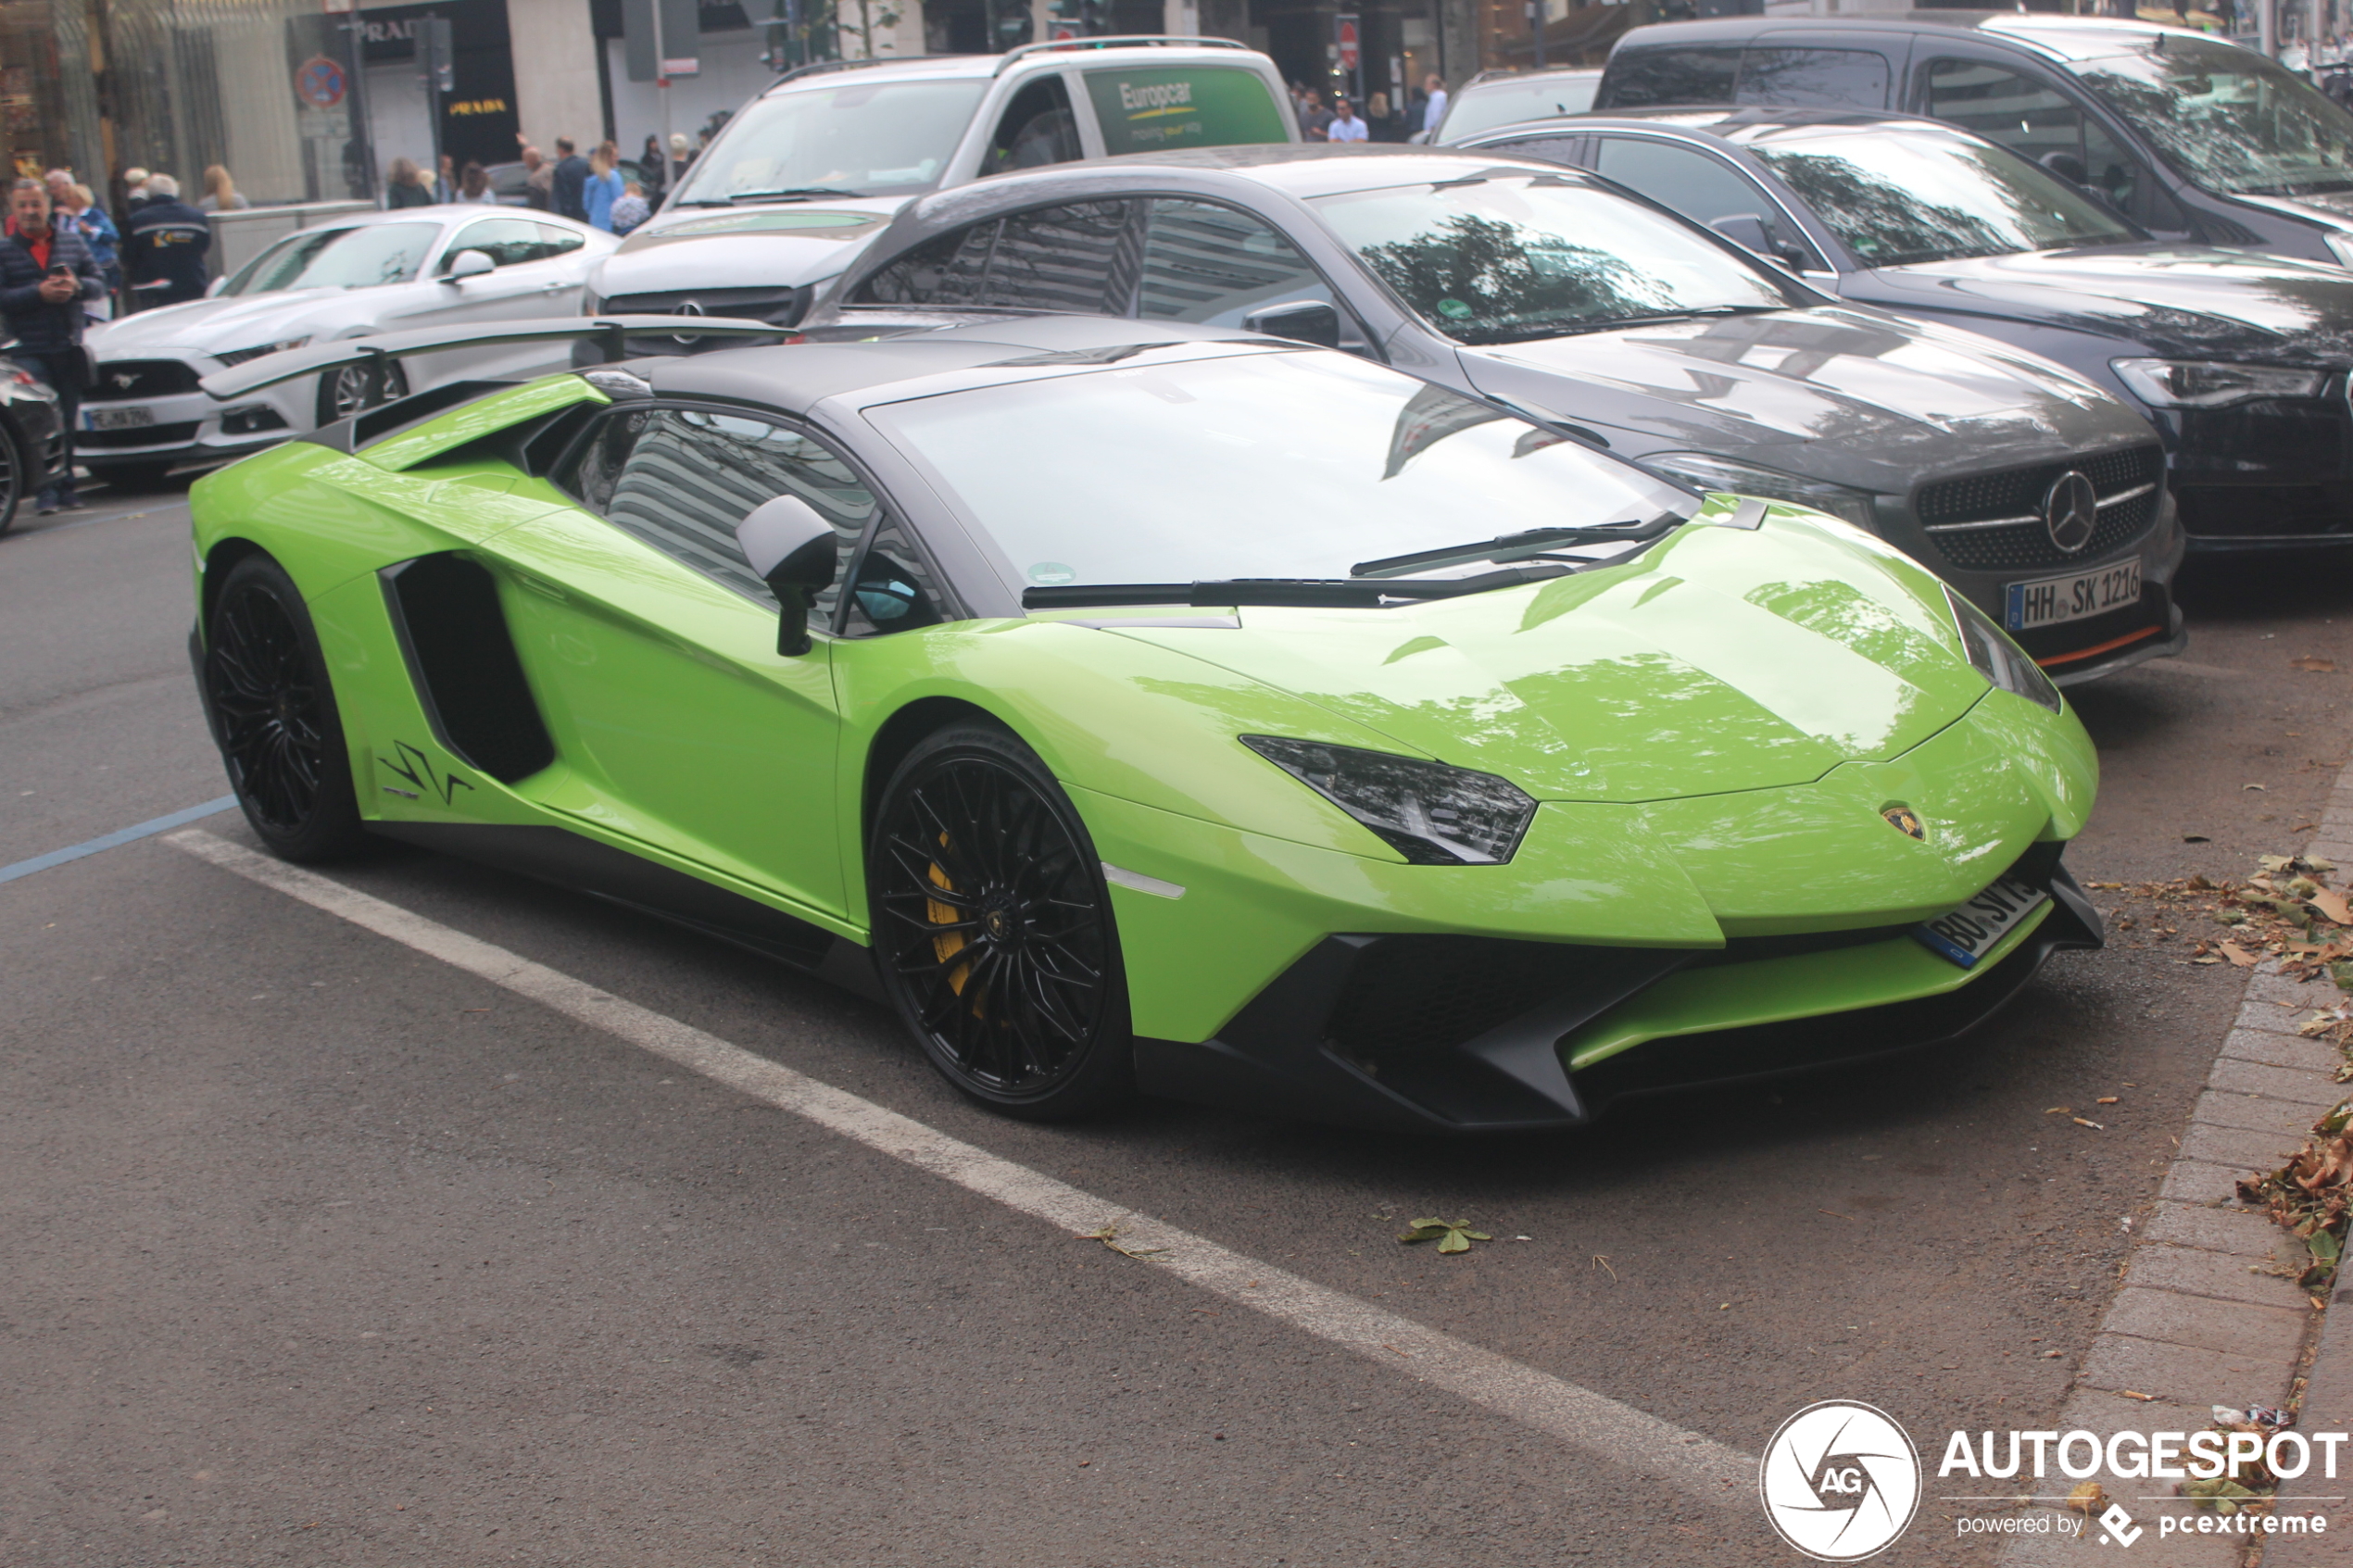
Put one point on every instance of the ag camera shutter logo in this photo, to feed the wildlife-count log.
(1840, 1481)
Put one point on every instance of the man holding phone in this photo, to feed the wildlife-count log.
(46, 273)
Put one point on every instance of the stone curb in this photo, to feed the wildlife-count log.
(2207, 1311)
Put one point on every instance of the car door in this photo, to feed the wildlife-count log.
(2042, 119)
(525, 282)
(652, 647)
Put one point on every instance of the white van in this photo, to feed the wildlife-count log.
(807, 172)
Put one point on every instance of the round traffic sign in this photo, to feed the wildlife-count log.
(319, 82)
(1348, 45)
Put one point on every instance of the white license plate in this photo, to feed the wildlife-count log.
(2049, 601)
(116, 418)
(1977, 927)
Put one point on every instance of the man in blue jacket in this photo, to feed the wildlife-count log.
(163, 247)
(572, 178)
(46, 274)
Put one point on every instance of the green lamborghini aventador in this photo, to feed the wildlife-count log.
(1141, 707)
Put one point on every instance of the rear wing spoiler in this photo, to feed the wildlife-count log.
(294, 364)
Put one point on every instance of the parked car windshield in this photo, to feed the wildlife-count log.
(1486, 105)
(338, 258)
(1893, 198)
(2229, 119)
(1504, 258)
(871, 138)
(1252, 464)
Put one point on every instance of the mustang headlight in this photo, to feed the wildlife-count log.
(1997, 658)
(1703, 472)
(2195, 383)
(1430, 813)
(239, 356)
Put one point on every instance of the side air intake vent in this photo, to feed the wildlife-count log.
(446, 609)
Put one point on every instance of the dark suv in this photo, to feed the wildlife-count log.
(2189, 138)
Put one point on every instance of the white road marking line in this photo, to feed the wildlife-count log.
(1582, 1419)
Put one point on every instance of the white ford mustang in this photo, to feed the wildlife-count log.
(374, 272)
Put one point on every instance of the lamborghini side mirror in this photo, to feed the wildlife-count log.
(468, 264)
(1304, 320)
(792, 549)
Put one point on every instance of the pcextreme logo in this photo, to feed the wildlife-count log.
(1840, 1481)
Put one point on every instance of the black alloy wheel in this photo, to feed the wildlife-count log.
(993, 930)
(273, 716)
(16, 479)
(355, 389)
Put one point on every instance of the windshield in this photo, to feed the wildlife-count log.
(1289, 465)
(338, 258)
(1893, 198)
(2229, 119)
(1490, 104)
(1508, 257)
(874, 138)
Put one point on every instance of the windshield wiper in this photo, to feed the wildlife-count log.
(783, 194)
(1656, 316)
(1338, 593)
(1518, 547)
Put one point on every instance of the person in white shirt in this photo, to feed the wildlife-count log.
(1435, 111)
(1345, 126)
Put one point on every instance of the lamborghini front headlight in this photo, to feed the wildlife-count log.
(1996, 657)
(1430, 813)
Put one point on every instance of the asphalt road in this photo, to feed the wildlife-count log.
(319, 1251)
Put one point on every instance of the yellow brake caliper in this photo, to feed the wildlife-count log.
(947, 944)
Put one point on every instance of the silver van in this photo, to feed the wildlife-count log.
(809, 170)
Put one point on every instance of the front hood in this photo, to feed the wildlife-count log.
(1852, 396)
(2333, 209)
(216, 326)
(1723, 661)
(2193, 302)
(742, 247)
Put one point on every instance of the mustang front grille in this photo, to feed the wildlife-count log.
(138, 436)
(124, 381)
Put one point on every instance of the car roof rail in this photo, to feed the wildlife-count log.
(821, 68)
(1118, 41)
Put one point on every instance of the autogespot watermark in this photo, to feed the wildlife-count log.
(1842, 1481)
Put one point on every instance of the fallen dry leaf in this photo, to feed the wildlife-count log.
(2332, 903)
(2238, 955)
(2088, 1498)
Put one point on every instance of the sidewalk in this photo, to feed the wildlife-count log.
(2207, 1311)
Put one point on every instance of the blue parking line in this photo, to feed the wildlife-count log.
(124, 836)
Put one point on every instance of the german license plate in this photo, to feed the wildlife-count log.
(116, 418)
(1977, 927)
(2050, 601)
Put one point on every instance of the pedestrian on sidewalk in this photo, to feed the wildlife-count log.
(1345, 126)
(473, 187)
(603, 187)
(632, 209)
(134, 191)
(1434, 107)
(653, 169)
(163, 248)
(572, 174)
(681, 157)
(404, 184)
(46, 279)
(538, 179)
(98, 231)
(221, 192)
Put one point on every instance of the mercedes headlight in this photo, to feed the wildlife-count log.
(1430, 813)
(2197, 383)
(1703, 473)
(1997, 658)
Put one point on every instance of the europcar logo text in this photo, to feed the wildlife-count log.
(1840, 1481)
(1159, 97)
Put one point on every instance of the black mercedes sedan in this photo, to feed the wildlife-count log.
(1555, 294)
(2240, 358)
